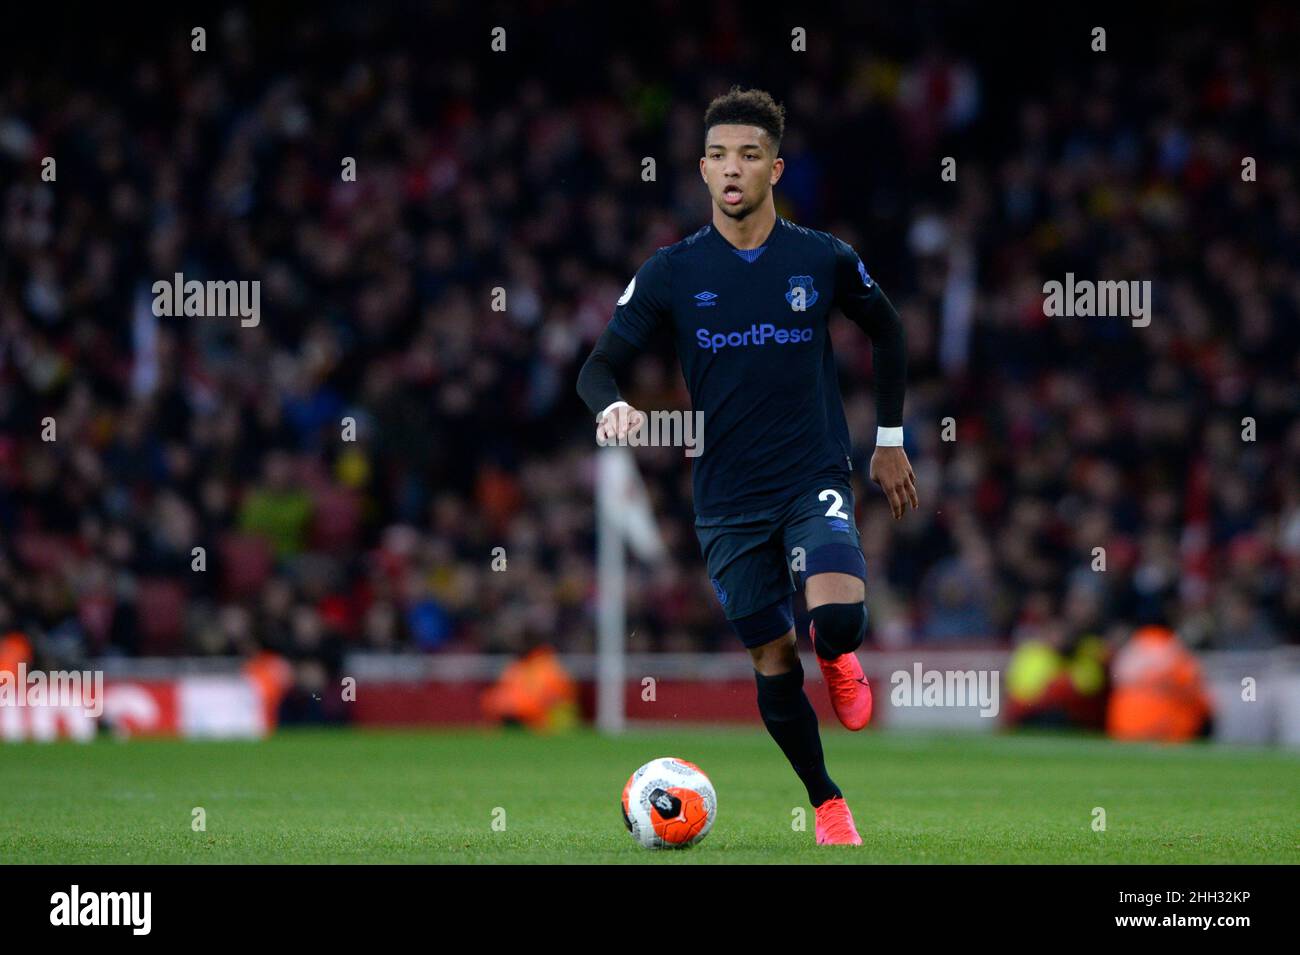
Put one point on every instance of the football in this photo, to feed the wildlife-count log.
(669, 804)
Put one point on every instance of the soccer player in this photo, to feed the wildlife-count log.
(747, 301)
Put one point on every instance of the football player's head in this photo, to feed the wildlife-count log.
(742, 139)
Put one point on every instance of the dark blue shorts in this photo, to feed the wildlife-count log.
(755, 559)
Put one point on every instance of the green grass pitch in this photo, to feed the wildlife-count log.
(349, 796)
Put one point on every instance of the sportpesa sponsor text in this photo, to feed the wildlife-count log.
(756, 335)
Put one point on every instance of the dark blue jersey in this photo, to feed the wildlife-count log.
(751, 332)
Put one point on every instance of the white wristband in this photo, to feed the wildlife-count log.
(889, 437)
(601, 417)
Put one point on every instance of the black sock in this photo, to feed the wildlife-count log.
(789, 717)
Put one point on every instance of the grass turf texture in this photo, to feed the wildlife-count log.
(348, 796)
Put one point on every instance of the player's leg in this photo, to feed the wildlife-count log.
(822, 530)
(753, 583)
(776, 656)
(821, 538)
(782, 702)
(792, 722)
(837, 604)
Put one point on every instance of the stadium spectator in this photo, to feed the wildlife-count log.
(1068, 434)
(1159, 692)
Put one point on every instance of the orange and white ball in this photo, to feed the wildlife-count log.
(669, 804)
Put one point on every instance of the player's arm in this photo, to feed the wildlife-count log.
(639, 312)
(598, 385)
(865, 304)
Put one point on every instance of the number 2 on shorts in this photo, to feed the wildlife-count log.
(836, 508)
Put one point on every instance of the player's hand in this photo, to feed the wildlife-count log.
(893, 472)
(617, 423)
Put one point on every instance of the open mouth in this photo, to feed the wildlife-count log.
(732, 195)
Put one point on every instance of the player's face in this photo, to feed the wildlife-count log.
(740, 168)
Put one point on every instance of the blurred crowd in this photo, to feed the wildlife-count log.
(341, 475)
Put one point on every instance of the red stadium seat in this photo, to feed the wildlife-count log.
(336, 519)
(247, 560)
(43, 552)
(160, 608)
(311, 474)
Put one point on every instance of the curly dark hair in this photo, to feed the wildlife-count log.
(748, 108)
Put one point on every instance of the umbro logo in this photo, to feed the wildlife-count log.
(705, 299)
